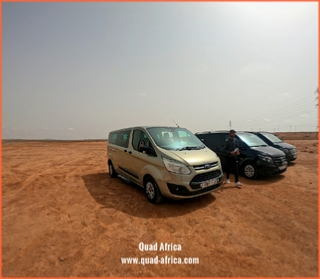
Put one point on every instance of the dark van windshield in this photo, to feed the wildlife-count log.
(271, 137)
(251, 139)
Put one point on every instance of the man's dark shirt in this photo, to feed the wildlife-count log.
(230, 145)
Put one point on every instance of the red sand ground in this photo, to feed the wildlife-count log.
(64, 216)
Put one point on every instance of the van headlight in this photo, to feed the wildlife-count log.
(285, 150)
(266, 158)
(176, 167)
(219, 163)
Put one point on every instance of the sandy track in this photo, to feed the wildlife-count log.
(64, 216)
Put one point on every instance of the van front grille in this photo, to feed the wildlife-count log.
(293, 151)
(205, 166)
(198, 179)
(280, 161)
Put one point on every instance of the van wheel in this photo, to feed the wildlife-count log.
(112, 172)
(250, 170)
(152, 191)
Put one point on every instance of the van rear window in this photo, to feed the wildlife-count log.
(120, 138)
(113, 137)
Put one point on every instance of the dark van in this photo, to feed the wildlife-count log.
(274, 141)
(256, 157)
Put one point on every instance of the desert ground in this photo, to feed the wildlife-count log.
(64, 216)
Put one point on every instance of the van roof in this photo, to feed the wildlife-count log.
(258, 132)
(212, 132)
(145, 127)
(219, 131)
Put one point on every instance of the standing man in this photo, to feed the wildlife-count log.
(231, 147)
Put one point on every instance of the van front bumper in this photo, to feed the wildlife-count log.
(291, 157)
(182, 191)
(291, 154)
(270, 169)
(196, 187)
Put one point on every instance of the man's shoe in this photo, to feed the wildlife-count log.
(238, 184)
(228, 181)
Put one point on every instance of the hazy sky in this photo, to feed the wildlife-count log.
(80, 70)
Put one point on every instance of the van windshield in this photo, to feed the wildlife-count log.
(175, 138)
(271, 137)
(251, 139)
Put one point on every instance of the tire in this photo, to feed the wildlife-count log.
(152, 191)
(250, 170)
(112, 172)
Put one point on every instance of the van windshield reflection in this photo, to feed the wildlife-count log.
(251, 140)
(272, 137)
(175, 138)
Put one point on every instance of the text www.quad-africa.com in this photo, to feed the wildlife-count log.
(160, 260)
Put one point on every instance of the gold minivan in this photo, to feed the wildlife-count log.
(166, 161)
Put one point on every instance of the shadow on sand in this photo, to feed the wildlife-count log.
(129, 198)
(260, 181)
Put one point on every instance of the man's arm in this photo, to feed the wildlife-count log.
(226, 147)
(237, 143)
(237, 146)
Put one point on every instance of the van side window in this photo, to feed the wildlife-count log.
(139, 135)
(113, 137)
(208, 140)
(241, 144)
(225, 136)
(216, 140)
(123, 138)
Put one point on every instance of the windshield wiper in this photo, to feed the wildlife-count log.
(259, 145)
(190, 148)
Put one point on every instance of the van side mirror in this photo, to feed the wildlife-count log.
(151, 152)
(148, 150)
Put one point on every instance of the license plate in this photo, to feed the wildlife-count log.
(209, 182)
(282, 167)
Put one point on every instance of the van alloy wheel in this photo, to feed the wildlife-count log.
(152, 191)
(112, 172)
(250, 170)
